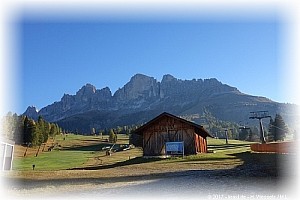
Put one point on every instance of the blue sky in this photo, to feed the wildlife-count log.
(60, 56)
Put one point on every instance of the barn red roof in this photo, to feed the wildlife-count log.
(198, 128)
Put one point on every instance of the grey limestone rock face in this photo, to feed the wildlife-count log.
(145, 97)
(31, 111)
(139, 86)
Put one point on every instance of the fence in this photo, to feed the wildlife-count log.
(283, 147)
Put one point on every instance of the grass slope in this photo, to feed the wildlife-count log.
(74, 151)
(85, 152)
(79, 157)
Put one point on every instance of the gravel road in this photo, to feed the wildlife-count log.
(251, 180)
(188, 184)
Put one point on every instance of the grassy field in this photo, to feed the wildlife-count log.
(82, 157)
(72, 151)
(78, 167)
(77, 151)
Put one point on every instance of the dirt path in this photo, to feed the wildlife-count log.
(178, 184)
(203, 179)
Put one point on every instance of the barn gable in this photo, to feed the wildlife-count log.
(170, 128)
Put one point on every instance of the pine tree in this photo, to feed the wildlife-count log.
(26, 131)
(52, 130)
(58, 129)
(40, 130)
(280, 128)
(32, 133)
(244, 134)
(47, 130)
(112, 136)
(19, 131)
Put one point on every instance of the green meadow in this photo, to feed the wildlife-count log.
(77, 151)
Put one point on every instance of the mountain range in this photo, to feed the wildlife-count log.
(143, 97)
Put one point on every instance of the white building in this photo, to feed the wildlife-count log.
(6, 154)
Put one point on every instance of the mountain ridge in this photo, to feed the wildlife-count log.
(143, 97)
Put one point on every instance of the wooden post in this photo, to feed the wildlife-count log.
(26, 149)
(37, 153)
(226, 136)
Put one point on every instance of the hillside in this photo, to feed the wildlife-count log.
(143, 97)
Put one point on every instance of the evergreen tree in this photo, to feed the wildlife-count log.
(280, 128)
(40, 130)
(19, 131)
(112, 136)
(32, 133)
(52, 130)
(244, 134)
(26, 131)
(47, 130)
(58, 129)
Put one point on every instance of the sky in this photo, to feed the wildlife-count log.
(60, 55)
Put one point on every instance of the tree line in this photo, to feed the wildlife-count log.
(217, 127)
(25, 131)
(276, 130)
(113, 132)
(126, 129)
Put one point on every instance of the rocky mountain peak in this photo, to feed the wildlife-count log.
(168, 77)
(143, 96)
(139, 77)
(212, 82)
(104, 90)
(87, 89)
(139, 86)
(32, 112)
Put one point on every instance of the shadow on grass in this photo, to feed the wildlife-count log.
(227, 146)
(216, 178)
(254, 164)
(266, 164)
(94, 147)
(92, 140)
(134, 161)
(257, 171)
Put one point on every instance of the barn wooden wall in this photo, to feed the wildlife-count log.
(200, 144)
(171, 130)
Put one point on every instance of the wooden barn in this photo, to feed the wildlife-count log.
(167, 128)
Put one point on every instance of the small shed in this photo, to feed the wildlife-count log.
(6, 154)
(170, 128)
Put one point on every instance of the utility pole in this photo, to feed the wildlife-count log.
(260, 115)
(226, 135)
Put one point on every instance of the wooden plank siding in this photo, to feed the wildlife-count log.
(169, 128)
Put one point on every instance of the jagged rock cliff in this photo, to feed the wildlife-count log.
(32, 112)
(143, 97)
